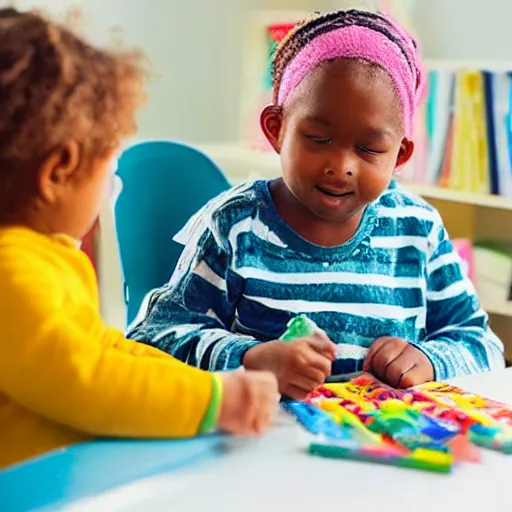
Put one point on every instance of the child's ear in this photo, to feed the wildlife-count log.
(271, 121)
(405, 152)
(58, 169)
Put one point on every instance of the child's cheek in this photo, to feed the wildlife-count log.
(372, 187)
(373, 182)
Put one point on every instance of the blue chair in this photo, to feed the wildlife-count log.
(164, 184)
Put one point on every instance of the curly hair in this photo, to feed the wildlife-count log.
(55, 86)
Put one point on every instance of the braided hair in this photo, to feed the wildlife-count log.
(321, 23)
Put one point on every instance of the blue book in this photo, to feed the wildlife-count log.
(491, 135)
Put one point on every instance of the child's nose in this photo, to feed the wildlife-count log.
(341, 167)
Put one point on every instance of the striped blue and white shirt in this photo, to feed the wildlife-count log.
(244, 273)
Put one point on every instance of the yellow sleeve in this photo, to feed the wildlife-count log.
(55, 361)
(115, 339)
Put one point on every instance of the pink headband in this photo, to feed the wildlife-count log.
(360, 42)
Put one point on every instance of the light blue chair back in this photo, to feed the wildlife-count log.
(164, 184)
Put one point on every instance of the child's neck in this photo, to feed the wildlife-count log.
(26, 220)
(308, 226)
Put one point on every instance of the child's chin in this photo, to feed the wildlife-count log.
(333, 214)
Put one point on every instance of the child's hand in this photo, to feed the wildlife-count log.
(398, 363)
(300, 365)
(249, 402)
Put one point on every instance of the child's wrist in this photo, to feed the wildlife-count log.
(259, 357)
(211, 416)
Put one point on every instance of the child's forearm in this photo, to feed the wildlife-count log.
(460, 350)
(198, 339)
(459, 340)
(192, 317)
(115, 339)
(103, 391)
(213, 349)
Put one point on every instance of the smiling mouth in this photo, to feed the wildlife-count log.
(331, 193)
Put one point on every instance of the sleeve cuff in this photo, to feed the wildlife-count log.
(233, 358)
(429, 357)
(211, 415)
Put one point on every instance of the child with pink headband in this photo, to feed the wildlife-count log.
(335, 239)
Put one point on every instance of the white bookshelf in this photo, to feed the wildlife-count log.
(502, 309)
(456, 196)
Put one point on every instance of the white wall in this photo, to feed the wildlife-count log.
(465, 29)
(188, 99)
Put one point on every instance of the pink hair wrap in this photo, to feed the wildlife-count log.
(355, 41)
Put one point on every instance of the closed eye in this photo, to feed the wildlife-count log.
(325, 141)
(369, 151)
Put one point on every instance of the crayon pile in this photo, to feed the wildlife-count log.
(432, 427)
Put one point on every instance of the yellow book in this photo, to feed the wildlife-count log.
(454, 179)
(480, 123)
(470, 155)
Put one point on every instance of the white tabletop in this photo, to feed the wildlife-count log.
(275, 474)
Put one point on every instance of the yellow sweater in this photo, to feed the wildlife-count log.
(66, 377)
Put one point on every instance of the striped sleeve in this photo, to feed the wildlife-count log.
(191, 317)
(459, 340)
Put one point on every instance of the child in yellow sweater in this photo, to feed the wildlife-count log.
(64, 376)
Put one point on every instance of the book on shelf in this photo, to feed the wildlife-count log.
(464, 129)
(493, 268)
(488, 264)
(464, 248)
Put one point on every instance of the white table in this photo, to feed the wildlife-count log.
(274, 474)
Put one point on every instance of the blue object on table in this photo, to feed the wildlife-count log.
(164, 184)
(85, 470)
(313, 419)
